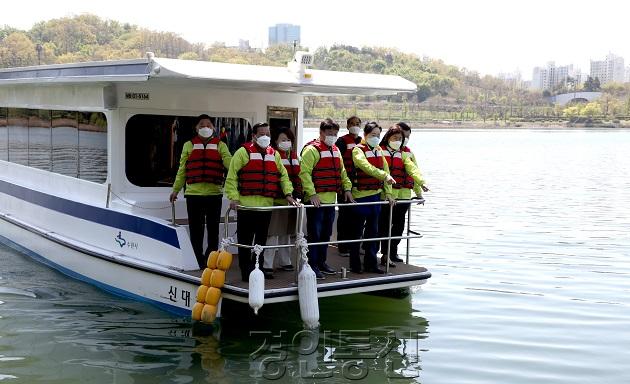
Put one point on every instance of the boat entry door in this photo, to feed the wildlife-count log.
(279, 117)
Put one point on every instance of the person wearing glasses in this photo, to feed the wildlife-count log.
(371, 181)
(256, 176)
(203, 164)
(323, 176)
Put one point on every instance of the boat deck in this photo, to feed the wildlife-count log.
(283, 286)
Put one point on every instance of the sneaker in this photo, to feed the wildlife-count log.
(396, 259)
(288, 268)
(318, 274)
(375, 270)
(325, 268)
(268, 275)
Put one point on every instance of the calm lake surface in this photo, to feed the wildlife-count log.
(527, 235)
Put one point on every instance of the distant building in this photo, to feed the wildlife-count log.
(627, 76)
(513, 79)
(284, 34)
(243, 45)
(609, 70)
(546, 78)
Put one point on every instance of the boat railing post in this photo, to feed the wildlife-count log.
(408, 232)
(226, 221)
(389, 237)
(173, 214)
(109, 192)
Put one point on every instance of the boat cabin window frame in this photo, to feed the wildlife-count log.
(154, 163)
(34, 138)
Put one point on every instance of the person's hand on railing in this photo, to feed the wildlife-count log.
(391, 200)
(316, 201)
(292, 201)
(173, 197)
(425, 188)
(234, 204)
(348, 197)
(390, 180)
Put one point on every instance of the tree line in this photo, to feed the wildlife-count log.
(442, 88)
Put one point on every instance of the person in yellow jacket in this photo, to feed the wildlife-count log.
(256, 176)
(323, 176)
(202, 167)
(372, 179)
(408, 178)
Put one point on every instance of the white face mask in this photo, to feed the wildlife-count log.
(395, 144)
(373, 141)
(263, 141)
(284, 145)
(354, 130)
(405, 142)
(330, 140)
(205, 132)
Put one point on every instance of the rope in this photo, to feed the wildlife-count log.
(136, 205)
(302, 245)
(226, 243)
(258, 249)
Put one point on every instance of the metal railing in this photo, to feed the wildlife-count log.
(300, 221)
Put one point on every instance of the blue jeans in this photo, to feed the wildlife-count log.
(319, 223)
(365, 224)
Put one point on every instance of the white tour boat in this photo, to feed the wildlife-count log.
(88, 153)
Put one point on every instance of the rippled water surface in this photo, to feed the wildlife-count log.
(527, 237)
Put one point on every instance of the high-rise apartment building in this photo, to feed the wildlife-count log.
(546, 78)
(284, 34)
(608, 70)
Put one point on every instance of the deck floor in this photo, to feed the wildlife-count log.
(286, 279)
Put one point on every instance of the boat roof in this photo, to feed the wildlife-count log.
(222, 75)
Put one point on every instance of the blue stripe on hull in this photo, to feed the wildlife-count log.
(116, 291)
(118, 220)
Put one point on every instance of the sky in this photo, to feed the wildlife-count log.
(490, 37)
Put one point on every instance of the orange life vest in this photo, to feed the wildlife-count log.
(260, 175)
(326, 173)
(347, 154)
(292, 166)
(363, 181)
(205, 164)
(397, 170)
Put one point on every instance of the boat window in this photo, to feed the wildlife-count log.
(153, 145)
(92, 146)
(66, 142)
(18, 136)
(4, 135)
(39, 139)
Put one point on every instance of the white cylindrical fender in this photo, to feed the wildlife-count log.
(307, 294)
(256, 284)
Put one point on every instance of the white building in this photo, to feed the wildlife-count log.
(609, 70)
(546, 78)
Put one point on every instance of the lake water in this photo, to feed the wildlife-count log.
(527, 237)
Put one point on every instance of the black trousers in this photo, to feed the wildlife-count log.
(399, 215)
(344, 224)
(204, 210)
(251, 228)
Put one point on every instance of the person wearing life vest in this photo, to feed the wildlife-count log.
(283, 221)
(255, 178)
(346, 144)
(372, 180)
(408, 178)
(323, 176)
(202, 167)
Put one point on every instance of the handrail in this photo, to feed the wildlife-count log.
(299, 222)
